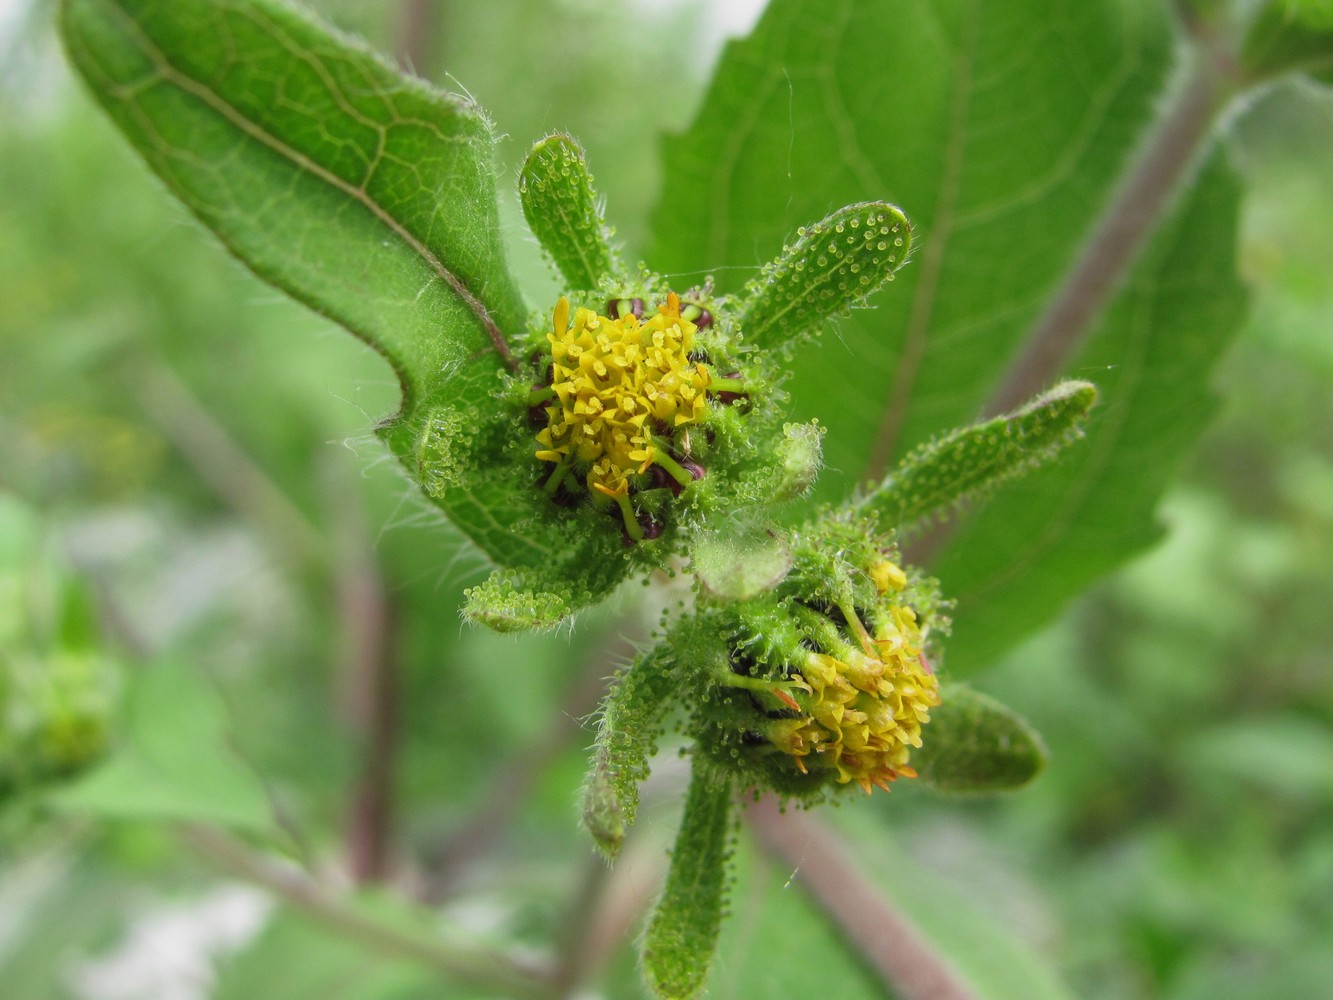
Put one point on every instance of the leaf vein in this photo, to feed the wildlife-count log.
(170, 74)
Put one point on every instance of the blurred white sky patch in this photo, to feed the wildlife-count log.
(718, 20)
(170, 953)
(10, 12)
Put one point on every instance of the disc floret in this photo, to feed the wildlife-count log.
(622, 393)
(861, 706)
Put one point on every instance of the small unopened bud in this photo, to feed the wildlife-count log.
(696, 314)
(619, 308)
(649, 528)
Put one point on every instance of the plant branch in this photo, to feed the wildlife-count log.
(225, 467)
(890, 944)
(370, 672)
(478, 967)
(374, 678)
(579, 918)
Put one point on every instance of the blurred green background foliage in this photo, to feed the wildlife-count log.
(192, 454)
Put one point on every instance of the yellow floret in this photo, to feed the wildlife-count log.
(614, 378)
(863, 711)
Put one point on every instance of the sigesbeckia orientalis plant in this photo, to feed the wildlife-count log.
(629, 425)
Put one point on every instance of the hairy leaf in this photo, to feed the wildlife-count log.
(366, 194)
(682, 936)
(1009, 141)
(631, 722)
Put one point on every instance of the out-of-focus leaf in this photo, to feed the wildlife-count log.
(56, 907)
(777, 943)
(1291, 36)
(1282, 754)
(1001, 130)
(975, 744)
(175, 760)
(296, 960)
(995, 957)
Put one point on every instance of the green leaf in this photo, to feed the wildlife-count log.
(779, 943)
(834, 264)
(975, 744)
(365, 194)
(1292, 36)
(973, 461)
(1049, 536)
(560, 205)
(627, 734)
(175, 761)
(996, 958)
(1003, 150)
(681, 939)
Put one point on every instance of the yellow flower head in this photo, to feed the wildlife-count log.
(862, 713)
(620, 387)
